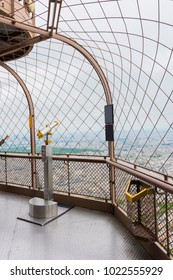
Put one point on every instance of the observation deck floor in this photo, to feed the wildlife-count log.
(79, 234)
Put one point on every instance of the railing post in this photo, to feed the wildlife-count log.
(33, 173)
(167, 223)
(155, 216)
(6, 170)
(68, 176)
(33, 150)
(12, 8)
(112, 172)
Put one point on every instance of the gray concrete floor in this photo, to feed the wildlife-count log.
(80, 234)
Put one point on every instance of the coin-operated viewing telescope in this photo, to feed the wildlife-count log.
(47, 130)
(45, 208)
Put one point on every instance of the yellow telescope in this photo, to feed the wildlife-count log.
(47, 129)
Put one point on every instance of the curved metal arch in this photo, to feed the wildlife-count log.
(108, 96)
(44, 35)
(99, 72)
(31, 116)
(30, 104)
(92, 61)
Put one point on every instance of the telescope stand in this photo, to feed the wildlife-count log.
(43, 211)
(45, 208)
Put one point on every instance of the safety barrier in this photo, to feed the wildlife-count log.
(147, 202)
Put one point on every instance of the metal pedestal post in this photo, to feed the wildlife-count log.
(45, 208)
(46, 151)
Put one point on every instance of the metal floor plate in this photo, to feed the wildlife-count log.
(62, 209)
(80, 234)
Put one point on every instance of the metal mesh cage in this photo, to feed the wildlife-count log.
(19, 171)
(141, 214)
(60, 176)
(164, 210)
(90, 179)
(2, 170)
(76, 57)
(78, 178)
(121, 180)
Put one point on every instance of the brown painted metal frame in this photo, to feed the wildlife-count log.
(163, 184)
(154, 248)
(44, 35)
(156, 182)
(31, 116)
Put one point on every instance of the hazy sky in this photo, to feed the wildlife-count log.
(132, 42)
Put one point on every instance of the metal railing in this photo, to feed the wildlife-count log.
(90, 177)
(72, 175)
(155, 213)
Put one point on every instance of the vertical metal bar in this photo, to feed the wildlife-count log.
(60, 5)
(68, 175)
(48, 184)
(167, 224)
(112, 184)
(30, 160)
(155, 217)
(33, 150)
(6, 171)
(54, 14)
(52, 9)
(33, 16)
(12, 8)
(139, 204)
(112, 173)
(48, 18)
(46, 152)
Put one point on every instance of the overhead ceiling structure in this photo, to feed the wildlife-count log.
(10, 35)
(74, 57)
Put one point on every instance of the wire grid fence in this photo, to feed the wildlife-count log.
(63, 87)
(141, 214)
(90, 179)
(18, 171)
(60, 175)
(2, 170)
(121, 182)
(165, 220)
(77, 178)
(130, 43)
(84, 179)
(150, 218)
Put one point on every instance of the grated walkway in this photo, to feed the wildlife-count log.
(79, 234)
